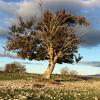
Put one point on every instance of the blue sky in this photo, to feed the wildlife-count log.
(90, 64)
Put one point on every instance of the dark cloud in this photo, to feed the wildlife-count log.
(73, 6)
(91, 63)
(91, 38)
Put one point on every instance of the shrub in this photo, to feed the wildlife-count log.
(73, 72)
(66, 71)
(15, 67)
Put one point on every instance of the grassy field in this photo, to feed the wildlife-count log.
(30, 87)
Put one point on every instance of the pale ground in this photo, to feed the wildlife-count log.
(29, 84)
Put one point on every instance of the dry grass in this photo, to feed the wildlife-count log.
(32, 90)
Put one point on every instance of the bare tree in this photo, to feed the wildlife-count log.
(51, 37)
(73, 72)
(64, 71)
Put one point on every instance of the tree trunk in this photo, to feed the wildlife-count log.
(52, 62)
(49, 70)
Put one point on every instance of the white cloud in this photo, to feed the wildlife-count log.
(28, 8)
(89, 2)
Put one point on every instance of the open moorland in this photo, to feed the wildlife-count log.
(30, 87)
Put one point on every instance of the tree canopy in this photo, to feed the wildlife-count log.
(50, 37)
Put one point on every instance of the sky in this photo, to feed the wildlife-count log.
(90, 49)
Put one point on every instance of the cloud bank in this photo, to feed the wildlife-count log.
(27, 8)
(8, 55)
(91, 63)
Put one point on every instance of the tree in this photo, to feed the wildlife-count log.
(51, 37)
(15, 67)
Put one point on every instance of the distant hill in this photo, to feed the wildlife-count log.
(96, 75)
